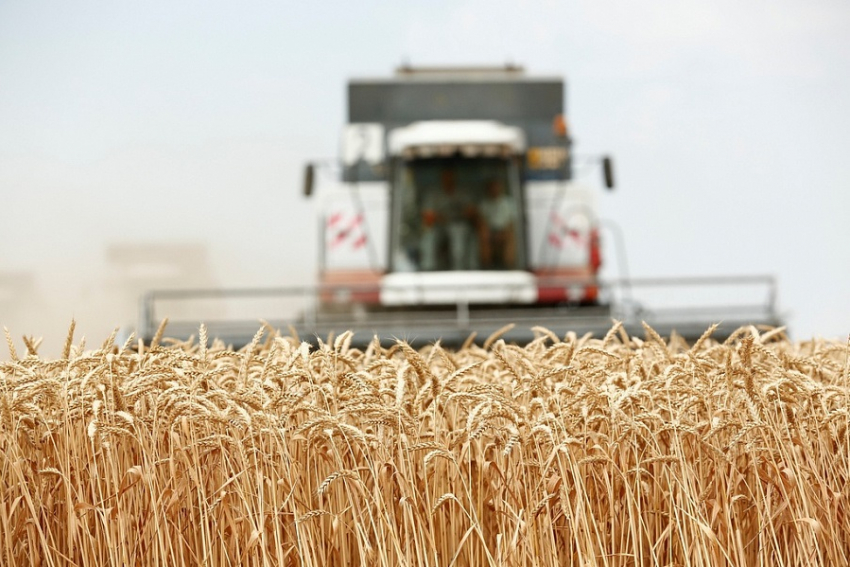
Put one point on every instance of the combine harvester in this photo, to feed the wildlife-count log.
(455, 211)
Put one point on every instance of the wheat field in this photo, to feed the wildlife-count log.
(613, 450)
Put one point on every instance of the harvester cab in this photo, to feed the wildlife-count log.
(473, 165)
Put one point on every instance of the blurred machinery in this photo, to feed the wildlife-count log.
(453, 209)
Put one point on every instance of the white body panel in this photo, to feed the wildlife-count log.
(559, 217)
(363, 141)
(449, 288)
(354, 231)
(470, 136)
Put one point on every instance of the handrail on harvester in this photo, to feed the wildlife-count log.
(616, 294)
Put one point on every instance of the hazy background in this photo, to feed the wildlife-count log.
(179, 130)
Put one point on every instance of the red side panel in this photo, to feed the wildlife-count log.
(595, 252)
(560, 285)
(551, 294)
(351, 286)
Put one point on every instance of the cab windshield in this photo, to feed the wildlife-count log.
(453, 214)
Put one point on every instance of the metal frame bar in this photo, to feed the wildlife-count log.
(467, 315)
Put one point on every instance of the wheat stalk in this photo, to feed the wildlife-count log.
(609, 450)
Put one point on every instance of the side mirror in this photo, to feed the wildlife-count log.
(308, 179)
(608, 172)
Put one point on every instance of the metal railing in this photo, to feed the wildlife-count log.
(324, 306)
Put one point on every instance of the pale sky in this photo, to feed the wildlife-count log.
(189, 123)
